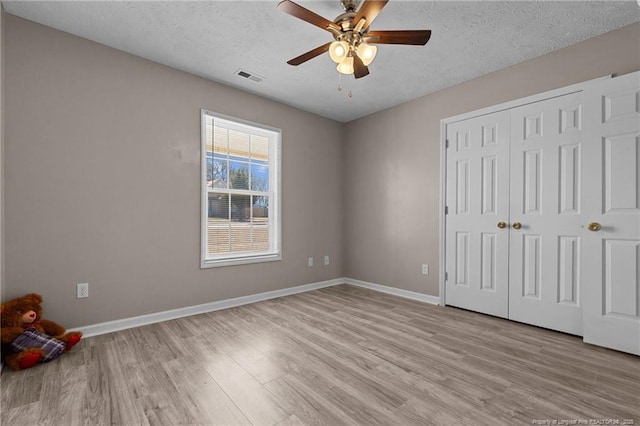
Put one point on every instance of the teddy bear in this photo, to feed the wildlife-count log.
(27, 338)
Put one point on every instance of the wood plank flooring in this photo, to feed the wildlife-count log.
(340, 355)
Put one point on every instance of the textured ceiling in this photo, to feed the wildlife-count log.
(214, 39)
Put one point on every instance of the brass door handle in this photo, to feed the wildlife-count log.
(516, 225)
(502, 224)
(594, 226)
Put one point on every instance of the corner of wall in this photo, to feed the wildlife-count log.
(343, 200)
(1, 152)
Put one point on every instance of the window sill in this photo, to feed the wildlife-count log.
(217, 263)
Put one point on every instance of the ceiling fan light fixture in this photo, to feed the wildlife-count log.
(367, 53)
(346, 66)
(338, 51)
(350, 30)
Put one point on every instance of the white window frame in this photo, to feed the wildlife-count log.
(274, 135)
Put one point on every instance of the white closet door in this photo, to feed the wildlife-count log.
(612, 200)
(544, 280)
(477, 200)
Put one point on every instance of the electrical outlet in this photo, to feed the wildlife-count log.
(310, 261)
(425, 269)
(82, 290)
(326, 260)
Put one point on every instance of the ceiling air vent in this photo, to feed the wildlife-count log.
(250, 76)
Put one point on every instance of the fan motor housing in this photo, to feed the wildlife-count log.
(346, 21)
(350, 5)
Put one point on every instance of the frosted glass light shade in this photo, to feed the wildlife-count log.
(366, 52)
(346, 66)
(338, 51)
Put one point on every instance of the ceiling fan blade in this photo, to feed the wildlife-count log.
(310, 54)
(359, 68)
(300, 12)
(412, 37)
(369, 10)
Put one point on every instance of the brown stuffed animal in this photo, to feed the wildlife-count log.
(27, 339)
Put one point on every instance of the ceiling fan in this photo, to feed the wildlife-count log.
(352, 49)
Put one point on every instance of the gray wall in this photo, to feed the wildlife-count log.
(103, 182)
(1, 153)
(392, 183)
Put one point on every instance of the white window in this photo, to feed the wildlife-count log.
(240, 191)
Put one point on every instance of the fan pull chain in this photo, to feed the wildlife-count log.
(340, 87)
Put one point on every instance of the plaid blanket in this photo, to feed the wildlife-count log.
(32, 338)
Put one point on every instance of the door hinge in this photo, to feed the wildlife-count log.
(446, 209)
(446, 276)
(446, 143)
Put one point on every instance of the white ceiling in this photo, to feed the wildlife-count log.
(214, 39)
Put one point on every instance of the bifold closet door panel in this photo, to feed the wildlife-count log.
(612, 214)
(545, 235)
(477, 197)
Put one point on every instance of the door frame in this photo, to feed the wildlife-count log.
(567, 90)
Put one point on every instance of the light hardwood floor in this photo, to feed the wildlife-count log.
(340, 355)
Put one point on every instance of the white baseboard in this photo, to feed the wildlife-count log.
(421, 297)
(122, 324)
